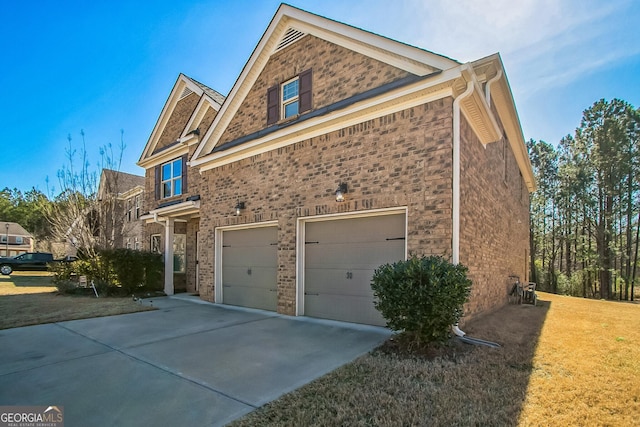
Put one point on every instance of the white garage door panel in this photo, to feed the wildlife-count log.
(340, 259)
(368, 255)
(249, 267)
(337, 307)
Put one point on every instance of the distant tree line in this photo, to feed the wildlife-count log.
(26, 209)
(75, 214)
(585, 215)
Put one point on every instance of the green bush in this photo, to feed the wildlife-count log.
(114, 272)
(422, 297)
(62, 271)
(67, 287)
(135, 271)
(153, 271)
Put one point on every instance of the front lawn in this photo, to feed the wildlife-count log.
(568, 361)
(29, 298)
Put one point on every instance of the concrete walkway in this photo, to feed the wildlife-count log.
(188, 363)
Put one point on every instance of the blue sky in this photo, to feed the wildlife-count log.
(105, 66)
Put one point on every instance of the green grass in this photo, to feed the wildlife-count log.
(29, 298)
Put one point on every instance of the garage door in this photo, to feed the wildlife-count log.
(249, 267)
(340, 258)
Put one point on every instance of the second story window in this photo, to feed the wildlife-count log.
(290, 98)
(137, 206)
(172, 179)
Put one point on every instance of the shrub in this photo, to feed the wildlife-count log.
(422, 297)
(62, 271)
(114, 272)
(153, 271)
(67, 287)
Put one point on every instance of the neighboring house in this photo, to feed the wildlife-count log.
(14, 240)
(121, 197)
(337, 150)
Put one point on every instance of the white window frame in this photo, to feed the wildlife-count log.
(136, 244)
(172, 180)
(128, 243)
(3, 238)
(137, 206)
(129, 207)
(19, 240)
(179, 253)
(284, 103)
(156, 248)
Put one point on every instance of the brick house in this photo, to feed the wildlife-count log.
(337, 150)
(121, 197)
(14, 239)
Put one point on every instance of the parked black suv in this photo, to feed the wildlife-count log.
(25, 262)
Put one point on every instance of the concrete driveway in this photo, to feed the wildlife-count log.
(188, 363)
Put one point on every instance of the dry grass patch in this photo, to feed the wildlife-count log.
(587, 365)
(466, 385)
(31, 299)
(568, 361)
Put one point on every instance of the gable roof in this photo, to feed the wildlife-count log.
(435, 76)
(183, 87)
(15, 229)
(290, 23)
(117, 183)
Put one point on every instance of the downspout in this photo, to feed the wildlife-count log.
(487, 89)
(155, 218)
(455, 243)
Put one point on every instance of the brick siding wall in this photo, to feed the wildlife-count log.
(338, 73)
(401, 159)
(176, 123)
(494, 223)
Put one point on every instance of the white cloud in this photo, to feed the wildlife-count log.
(551, 42)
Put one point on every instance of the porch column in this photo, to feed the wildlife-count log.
(168, 256)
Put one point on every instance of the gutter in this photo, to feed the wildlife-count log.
(487, 89)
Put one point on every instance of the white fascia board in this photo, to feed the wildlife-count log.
(401, 99)
(375, 52)
(138, 189)
(506, 108)
(181, 82)
(199, 112)
(389, 45)
(178, 209)
(287, 16)
(164, 156)
(504, 104)
(245, 81)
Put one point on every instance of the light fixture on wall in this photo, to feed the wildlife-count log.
(340, 192)
(239, 208)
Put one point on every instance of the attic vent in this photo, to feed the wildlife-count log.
(290, 37)
(186, 92)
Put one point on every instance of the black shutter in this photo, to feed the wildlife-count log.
(158, 182)
(184, 174)
(273, 104)
(305, 98)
